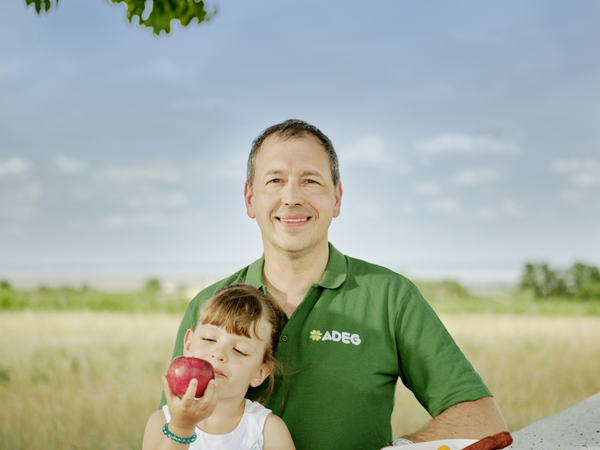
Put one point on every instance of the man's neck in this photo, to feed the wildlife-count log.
(289, 276)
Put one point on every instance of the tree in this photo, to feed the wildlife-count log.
(153, 285)
(162, 12)
(544, 281)
(579, 281)
(584, 280)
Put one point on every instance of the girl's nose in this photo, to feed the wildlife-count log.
(219, 354)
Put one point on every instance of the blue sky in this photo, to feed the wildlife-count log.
(467, 133)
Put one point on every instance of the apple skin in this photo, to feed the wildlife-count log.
(183, 369)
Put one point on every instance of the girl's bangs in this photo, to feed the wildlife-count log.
(237, 315)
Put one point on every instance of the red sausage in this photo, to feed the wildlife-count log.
(503, 439)
(487, 443)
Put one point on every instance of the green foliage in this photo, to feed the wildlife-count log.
(41, 4)
(153, 285)
(445, 297)
(580, 281)
(66, 298)
(161, 14)
(450, 297)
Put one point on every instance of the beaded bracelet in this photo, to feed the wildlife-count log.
(181, 440)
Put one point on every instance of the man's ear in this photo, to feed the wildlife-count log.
(338, 200)
(262, 373)
(248, 199)
(187, 341)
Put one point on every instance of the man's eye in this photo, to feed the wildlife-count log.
(275, 180)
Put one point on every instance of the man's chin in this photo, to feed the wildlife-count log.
(298, 249)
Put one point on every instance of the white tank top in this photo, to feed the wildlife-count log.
(248, 435)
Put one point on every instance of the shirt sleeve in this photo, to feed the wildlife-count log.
(432, 366)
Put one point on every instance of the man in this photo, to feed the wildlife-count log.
(351, 328)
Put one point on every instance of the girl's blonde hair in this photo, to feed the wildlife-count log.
(239, 308)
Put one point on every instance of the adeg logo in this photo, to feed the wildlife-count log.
(335, 336)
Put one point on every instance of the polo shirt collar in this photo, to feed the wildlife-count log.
(334, 276)
(335, 272)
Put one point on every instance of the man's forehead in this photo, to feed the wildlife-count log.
(276, 138)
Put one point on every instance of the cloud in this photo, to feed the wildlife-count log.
(571, 195)
(143, 220)
(20, 202)
(153, 174)
(372, 150)
(14, 167)
(159, 200)
(470, 177)
(584, 172)
(427, 188)
(467, 144)
(189, 221)
(68, 165)
(444, 205)
(507, 208)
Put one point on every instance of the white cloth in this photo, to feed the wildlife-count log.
(248, 435)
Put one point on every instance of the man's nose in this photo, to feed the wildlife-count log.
(292, 195)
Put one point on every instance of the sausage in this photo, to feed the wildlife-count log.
(503, 439)
(487, 443)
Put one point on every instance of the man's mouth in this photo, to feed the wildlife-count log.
(305, 219)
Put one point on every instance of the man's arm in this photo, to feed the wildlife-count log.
(467, 420)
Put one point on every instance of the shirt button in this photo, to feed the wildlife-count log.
(284, 338)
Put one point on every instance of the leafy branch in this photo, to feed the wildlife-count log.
(162, 12)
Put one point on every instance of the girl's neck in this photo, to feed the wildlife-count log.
(225, 418)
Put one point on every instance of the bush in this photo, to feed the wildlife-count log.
(579, 281)
(66, 298)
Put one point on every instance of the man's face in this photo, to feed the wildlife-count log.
(293, 198)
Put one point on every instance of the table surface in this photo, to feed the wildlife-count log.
(577, 427)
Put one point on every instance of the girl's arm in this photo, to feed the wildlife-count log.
(186, 412)
(277, 435)
(153, 436)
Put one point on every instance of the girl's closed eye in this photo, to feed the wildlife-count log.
(240, 352)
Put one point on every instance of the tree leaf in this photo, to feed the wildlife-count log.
(162, 13)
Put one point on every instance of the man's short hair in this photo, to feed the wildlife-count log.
(293, 129)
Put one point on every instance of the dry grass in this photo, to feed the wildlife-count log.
(535, 366)
(80, 380)
(76, 380)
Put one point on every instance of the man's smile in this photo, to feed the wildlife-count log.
(281, 219)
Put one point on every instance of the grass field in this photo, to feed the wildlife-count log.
(83, 380)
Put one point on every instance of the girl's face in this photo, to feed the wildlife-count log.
(238, 361)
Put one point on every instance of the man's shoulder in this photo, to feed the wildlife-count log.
(361, 268)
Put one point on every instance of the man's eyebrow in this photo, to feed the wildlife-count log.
(306, 173)
(272, 172)
(311, 173)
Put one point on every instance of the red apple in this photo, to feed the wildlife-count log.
(183, 369)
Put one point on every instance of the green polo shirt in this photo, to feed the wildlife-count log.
(343, 349)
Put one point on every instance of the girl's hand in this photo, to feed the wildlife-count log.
(187, 411)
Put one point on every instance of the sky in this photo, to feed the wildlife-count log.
(467, 132)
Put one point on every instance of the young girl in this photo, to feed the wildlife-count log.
(237, 333)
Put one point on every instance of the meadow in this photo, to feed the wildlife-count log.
(81, 379)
